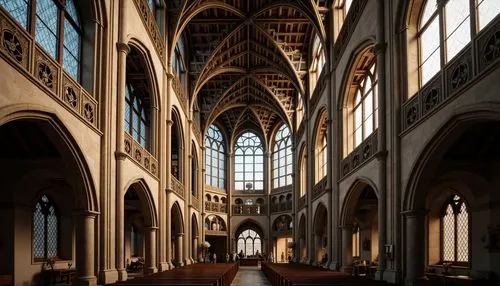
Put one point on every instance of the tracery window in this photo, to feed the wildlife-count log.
(249, 242)
(300, 109)
(318, 61)
(365, 105)
(136, 119)
(455, 231)
(249, 163)
(444, 29)
(282, 158)
(45, 229)
(178, 62)
(214, 158)
(303, 174)
(56, 28)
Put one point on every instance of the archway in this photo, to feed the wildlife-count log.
(360, 246)
(320, 235)
(48, 186)
(216, 233)
(177, 147)
(194, 238)
(454, 176)
(140, 230)
(177, 235)
(282, 233)
(302, 245)
(249, 240)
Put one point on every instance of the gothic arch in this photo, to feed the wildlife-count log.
(352, 197)
(177, 219)
(146, 200)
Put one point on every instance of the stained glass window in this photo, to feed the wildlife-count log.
(282, 158)
(55, 21)
(214, 158)
(249, 242)
(249, 163)
(365, 105)
(136, 120)
(455, 231)
(45, 229)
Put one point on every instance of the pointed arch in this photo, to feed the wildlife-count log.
(177, 219)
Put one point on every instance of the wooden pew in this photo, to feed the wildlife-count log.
(304, 275)
(221, 274)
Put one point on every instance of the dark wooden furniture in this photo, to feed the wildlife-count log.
(249, 262)
(53, 276)
(6, 280)
(434, 279)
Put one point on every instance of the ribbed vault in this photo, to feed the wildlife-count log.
(248, 59)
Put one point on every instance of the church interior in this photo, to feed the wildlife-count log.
(351, 138)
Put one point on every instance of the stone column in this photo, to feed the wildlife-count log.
(195, 249)
(414, 222)
(168, 178)
(178, 249)
(85, 274)
(123, 50)
(347, 248)
(150, 256)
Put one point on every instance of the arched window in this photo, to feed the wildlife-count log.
(194, 171)
(178, 62)
(152, 5)
(345, 5)
(136, 119)
(249, 242)
(248, 163)
(365, 106)
(444, 29)
(56, 28)
(455, 231)
(303, 174)
(321, 151)
(318, 61)
(300, 109)
(214, 158)
(45, 229)
(282, 158)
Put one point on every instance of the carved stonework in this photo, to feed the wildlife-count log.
(140, 155)
(364, 152)
(70, 96)
(89, 112)
(150, 23)
(45, 74)
(319, 188)
(431, 99)
(491, 51)
(12, 44)
(460, 75)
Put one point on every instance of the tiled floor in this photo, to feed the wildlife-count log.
(249, 276)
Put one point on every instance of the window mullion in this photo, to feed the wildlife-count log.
(60, 36)
(45, 236)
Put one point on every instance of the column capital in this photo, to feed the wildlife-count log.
(123, 48)
(152, 228)
(86, 213)
(180, 234)
(170, 122)
(170, 75)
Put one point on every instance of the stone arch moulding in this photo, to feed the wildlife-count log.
(256, 226)
(86, 195)
(180, 218)
(352, 196)
(440, 140)
(146, 198)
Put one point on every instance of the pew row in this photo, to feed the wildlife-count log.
(221, 274)
(305, 275)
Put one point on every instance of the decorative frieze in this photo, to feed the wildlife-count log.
(301, 203)
(140, 155)
(363, 153)
(249, 210)
(180, 93)
(150, 23)
(458, 74)
(195, 202)
(319, 189)
(19, 49)
(177, 186)
(215, 207)
(281, 207)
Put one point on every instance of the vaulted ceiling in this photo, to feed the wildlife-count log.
(248, 59)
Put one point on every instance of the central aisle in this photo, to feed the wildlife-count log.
(250, 275)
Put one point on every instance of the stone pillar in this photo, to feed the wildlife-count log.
(414, 222)
(85, 274)
(150, 256)
(123, 50)
(347, 248)
(179, 249)
(195, 249)
(168, 179)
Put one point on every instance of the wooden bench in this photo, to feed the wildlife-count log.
(221, 274)
(305, 275)
(6, 280)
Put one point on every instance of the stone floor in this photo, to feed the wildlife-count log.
(250, 275)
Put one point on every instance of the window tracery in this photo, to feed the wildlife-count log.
(45, 229)
(214, 158)
(249, 163)
(282, 158)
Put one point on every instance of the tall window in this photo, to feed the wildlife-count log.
(365, 105)
(45, 229)
(136, 120)
(56, 28)
(214, 158)
(444, 29)
(249, 242)
(300, 109)
(321, 152)
(248, 163)
(152, 5)
(455, 231)
(282, 158)
(178, 63)
(355, 242)
(345, 5)
(303, 174)
(318, 61)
